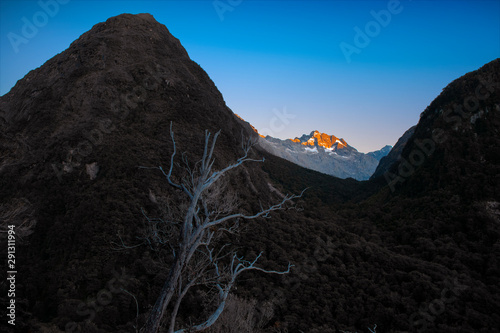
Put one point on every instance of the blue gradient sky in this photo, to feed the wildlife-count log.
(284, 57)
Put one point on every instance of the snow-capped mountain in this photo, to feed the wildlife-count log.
(326, 153)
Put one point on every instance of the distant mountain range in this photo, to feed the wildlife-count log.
(327, 154)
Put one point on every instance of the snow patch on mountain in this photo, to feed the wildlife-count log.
(311, 150)
(326, 153)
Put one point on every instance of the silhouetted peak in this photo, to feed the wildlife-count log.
(132, 30)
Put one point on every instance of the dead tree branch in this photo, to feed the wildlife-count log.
(209, 210)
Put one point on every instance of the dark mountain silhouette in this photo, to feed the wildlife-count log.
(75, 132)
(455, 140)
(394, 155)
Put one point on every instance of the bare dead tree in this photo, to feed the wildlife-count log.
(208, 214)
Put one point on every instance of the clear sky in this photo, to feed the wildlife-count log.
(360, 70)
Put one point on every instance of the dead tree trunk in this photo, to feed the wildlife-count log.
(205, 218)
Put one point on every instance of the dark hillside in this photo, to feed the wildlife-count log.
(456, 141)
(441, 202)
(394, 155)
(74, 134)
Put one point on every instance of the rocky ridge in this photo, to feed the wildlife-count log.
(327, 154)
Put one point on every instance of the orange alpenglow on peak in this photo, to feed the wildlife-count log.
(321, 139)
